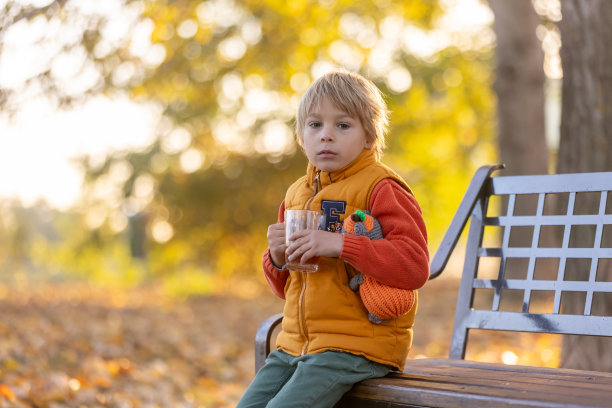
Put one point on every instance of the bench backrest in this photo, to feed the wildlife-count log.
(536, 265)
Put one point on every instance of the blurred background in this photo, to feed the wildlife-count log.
(145, 146)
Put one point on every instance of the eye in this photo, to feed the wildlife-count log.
(344, 126)
(314, 124)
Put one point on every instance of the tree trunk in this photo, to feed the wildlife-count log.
(520, 88)
(586, 146)
(520, 107)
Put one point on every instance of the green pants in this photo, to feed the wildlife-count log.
(310, 381)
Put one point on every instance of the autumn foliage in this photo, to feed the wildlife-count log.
(75, 345)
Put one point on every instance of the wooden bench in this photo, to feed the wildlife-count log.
(456, 382)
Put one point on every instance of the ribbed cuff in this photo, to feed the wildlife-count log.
(351, 248)
(269, 263)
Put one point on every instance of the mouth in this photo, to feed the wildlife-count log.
(326, 154)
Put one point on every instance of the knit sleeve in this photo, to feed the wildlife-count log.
(276, 277)
(401, 258)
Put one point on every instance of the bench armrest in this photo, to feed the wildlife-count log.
(461, 217)
(263, 337)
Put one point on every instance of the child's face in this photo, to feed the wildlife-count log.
(332, 138)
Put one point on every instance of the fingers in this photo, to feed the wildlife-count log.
(276, 230)
(305, 245)
(276, 242)
(299, 245)
(311, 243)
(276, 234)
(301, 254)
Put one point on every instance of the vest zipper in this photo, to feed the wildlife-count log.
(317, 187)
(302, 318)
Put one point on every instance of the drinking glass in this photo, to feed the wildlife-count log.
(298, 220)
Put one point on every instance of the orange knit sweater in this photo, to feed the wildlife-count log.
(400, 259)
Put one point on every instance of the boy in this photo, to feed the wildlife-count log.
(327, 343)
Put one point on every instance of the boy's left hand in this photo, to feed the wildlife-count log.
(307, 244)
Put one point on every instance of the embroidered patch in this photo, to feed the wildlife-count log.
(332, 209)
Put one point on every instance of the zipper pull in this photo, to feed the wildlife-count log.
(317, 182)
(317, 187)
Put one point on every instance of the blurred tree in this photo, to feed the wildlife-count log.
(520, 88)
(586, 146)
(137, 232)
(227, 76)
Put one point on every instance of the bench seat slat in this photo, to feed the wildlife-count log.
(457, 383)
(496, 371)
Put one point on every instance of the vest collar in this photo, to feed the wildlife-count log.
(365, 159)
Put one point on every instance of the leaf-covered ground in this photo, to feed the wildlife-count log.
(82, 347)
(77, 346)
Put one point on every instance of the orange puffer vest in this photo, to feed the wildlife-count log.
(321, 312)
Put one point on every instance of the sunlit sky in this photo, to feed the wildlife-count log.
(36, 150)
(38, 145)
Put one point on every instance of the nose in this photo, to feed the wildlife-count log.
(327, 134)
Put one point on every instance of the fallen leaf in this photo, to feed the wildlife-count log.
(7, 393)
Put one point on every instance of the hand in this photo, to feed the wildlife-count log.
(276, 243)
(307, 244)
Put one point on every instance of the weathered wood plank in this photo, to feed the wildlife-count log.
(456, 383)
(494, 371)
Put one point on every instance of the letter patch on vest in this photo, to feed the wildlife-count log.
(332, 209)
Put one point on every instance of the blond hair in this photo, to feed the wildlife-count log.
(353, 94)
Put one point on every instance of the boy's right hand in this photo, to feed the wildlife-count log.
(276, 243)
